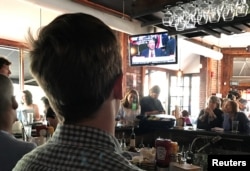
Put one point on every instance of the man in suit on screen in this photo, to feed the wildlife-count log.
(151, 51)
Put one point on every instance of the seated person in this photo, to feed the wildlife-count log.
(129, 108)
(211, 116)
(151, 104)
(185, 115)
(232, 113)
(49, 113)
(28, 106)
(11, 149)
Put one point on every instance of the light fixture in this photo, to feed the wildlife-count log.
(187, 15)
(179, 73)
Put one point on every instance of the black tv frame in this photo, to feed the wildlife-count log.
(138, 42)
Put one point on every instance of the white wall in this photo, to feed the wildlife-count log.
(17, 16)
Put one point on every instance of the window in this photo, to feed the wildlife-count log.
(160, 78)
(184, 92)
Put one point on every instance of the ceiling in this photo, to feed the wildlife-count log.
(145, 13)
(150, 13)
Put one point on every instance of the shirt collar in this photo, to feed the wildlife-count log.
(76, 135)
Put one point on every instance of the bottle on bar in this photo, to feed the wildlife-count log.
(134, 104)
(189, 155)
(123, 142)
(132, 143)
(141, 145)
(133, 109)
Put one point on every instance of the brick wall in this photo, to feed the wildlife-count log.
(132, 76)
(203, 81)
(210, 73)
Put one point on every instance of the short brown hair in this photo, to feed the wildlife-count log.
(185, 113)
(4, 61)
(76, 60)
(155, 89)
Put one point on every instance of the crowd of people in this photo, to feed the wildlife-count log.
(13, 149)
(83, 112)
(220, 113)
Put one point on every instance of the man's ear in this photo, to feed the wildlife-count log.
(118, 87)
(14, 103)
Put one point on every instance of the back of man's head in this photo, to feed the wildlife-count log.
(4, 61)
(155, 89)
(76, 60)
(4, 66)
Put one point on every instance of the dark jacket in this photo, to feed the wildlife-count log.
(244, 123)
(149, 104)
(207, 124)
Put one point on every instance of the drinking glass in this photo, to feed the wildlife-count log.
(28, 130)
(214, 13)
(228, 12)
(167, 19)
(180, 24)
(203, 11)
(235, 125)
(241, 8)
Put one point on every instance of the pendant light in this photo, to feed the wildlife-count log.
(179, 72)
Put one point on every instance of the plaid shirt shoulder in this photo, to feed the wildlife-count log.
(77, 148)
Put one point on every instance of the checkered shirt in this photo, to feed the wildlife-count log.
(77, 148)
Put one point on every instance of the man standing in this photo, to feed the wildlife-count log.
(87, 103)
(151, 104)
(5, 66)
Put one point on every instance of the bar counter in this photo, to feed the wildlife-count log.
(229, 143)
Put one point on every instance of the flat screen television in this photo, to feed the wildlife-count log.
(152, 49)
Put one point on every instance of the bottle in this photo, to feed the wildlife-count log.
(123, 142)
(141, 145)
(189, 155)
(183, 155)
(24, 134)
(132, 147)
(134, 104)
(163, 156)
(134, 108)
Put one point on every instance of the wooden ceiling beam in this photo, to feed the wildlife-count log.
(11, 43)
(103, 8)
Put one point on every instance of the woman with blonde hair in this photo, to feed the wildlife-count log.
(129, 108)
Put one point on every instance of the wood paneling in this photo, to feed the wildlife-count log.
(13, 43)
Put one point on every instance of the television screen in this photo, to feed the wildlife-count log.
(152, 49)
